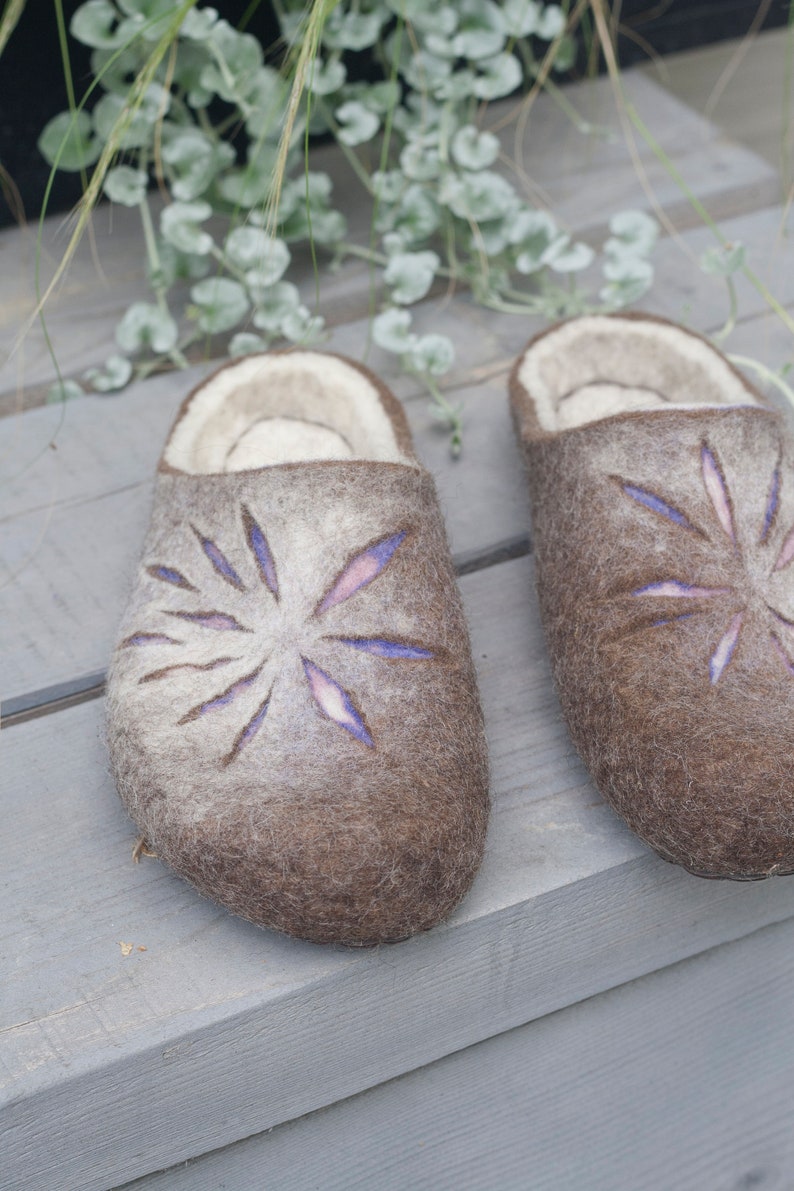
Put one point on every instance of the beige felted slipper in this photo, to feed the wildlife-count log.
(662, 491)
(293, 718)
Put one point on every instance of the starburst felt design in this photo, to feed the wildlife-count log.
(691, 594)
(274, 623)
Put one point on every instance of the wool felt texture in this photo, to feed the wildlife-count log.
(664, 541)
(293, 717)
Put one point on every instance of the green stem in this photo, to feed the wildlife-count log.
(451, 414)
(733, 312)
(766, 374)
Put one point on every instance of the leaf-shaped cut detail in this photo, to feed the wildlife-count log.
(657, 505)
(220, 621)
(149, 639)
(335, 703)
(781, 652)
(249, 731)
(219, 561)
(169, 575)
(167, 671)
(360, 571)
(771, 506)
(724, 651)
(223, 699)
(786, 552)
(261, 552)
(385, 649)
(686, 591)
(717, 490)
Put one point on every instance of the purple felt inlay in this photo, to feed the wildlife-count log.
(249, 731)
(169, 575)
(672, 619)
(724, 651)
(212, 620)
(771, 505)
(717, 491)
(223, 699)
(261, 551)
(361, 570)
(220, 562)
(657, 505)
(150, 639)
(786, 552)
(778, 646)
(675, 590)
(385, 649)
(166, 671)
(335, 703)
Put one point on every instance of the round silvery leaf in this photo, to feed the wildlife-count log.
(64, 390)
(195, 160)
(552, 22)
(417, 215)
(274, 303)
(220, 304)
(250, 187)
(474, 150)
(424, 17)
(93, 24)
(388, 185)
(300, 326)
(521, 17)
(533, 226)
(618, 294)
(146, 326)
(456, 86)
(420, 162)
(245, 343)
(237, 58)
(253, 248)
(380, 97)
(328, 77)
(113, 376)
(723, 260)
(478, 196)
(353, 30)
(498, 76)
(410, 275)
(125, 185)
(357, 124)
(150, 18)
(178, 266)
(265, 99)
(198, 24)
(425, 71)
(433, 354)
(391, 331)
(179, 225)
(115, 69)
(481, 31)
(573, 259)
(136, 126)
(635, 230)
(66, 142)
(628, 269)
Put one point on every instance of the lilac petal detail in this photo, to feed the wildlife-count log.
(191, 666)
(360, 571)
(261, 551)
(335, 703)
(718, 492)
(672, 619)
(219, 561)
(771, 506)
(778, 646)
(249, 731)
(724, 651)
(149, 639)
(385, 649)
(675, 590)
(169, 575)
(223, 699)
(786, 552)
(212, 620)
(657, 505)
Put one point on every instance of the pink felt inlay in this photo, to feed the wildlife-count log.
(786, 552)
(362, 570)
(718, 493)
(724, 651)
(330, 698)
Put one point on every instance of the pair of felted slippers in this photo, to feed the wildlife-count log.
(293, 715)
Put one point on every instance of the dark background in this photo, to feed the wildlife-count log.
(32, 87)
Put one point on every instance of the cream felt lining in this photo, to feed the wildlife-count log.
(595, 367)
(282, 408)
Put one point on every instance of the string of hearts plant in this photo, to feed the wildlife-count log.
(181, 96)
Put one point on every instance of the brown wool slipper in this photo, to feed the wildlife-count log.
(293, 718)
(662, 490)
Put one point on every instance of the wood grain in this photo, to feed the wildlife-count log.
(117, 1065)
(680, 1079)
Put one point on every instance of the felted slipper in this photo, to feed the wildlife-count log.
(662, 489)
(293, 718)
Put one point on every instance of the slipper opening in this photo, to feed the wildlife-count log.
(291, 407)
(599, 366)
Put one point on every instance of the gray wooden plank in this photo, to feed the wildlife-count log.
(117, 1065)
(680, 1079)
(108, 271)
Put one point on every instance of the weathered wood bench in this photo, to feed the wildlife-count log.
(590, 1017)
